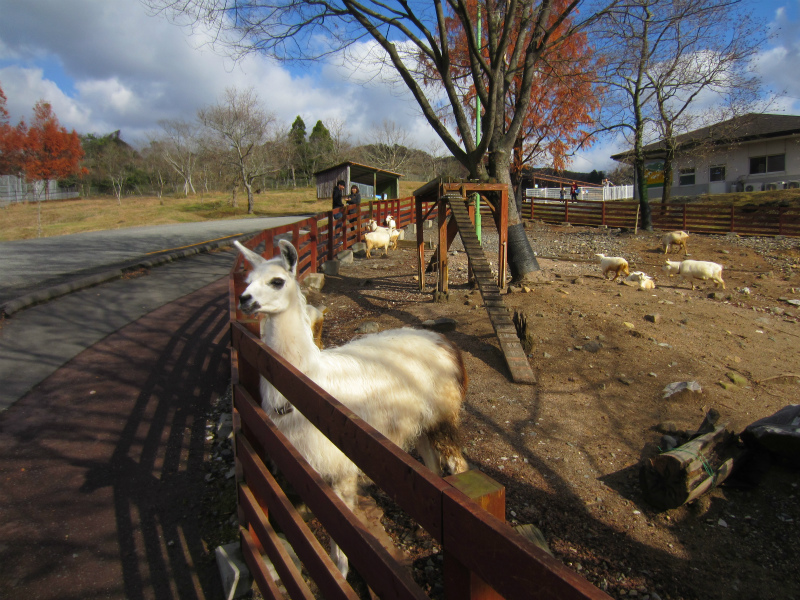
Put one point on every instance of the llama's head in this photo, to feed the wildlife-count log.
(271, 285)
(672, 266)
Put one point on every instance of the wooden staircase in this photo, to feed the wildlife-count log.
(499, 316)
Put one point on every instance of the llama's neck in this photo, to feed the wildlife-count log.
(289, 334)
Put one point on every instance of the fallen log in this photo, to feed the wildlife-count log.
(674, 478)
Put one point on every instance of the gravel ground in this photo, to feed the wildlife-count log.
(568, 449)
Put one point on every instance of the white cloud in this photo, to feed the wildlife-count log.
(779, 63)
(108, 65)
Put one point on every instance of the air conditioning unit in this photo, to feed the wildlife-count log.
(752, 187)
(792, 185)
(771, 187)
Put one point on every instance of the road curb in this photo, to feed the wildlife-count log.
(51, 293)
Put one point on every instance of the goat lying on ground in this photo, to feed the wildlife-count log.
(696, 269)
(643, 280)
(675, 239)
(406, 383)
(613, 263)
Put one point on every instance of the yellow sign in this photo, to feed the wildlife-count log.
(654, 174)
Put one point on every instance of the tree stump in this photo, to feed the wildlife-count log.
(523, 331)
(674, 478)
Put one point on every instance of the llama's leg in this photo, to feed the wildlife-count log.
(346, 489)
(429, 456)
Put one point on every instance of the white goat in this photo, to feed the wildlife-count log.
(379, 238)
(389, 221)
(408, 384)
(643, 280)
(696, 269)
(674, 238)
(613, 263)
(394, 235)
(372, 225)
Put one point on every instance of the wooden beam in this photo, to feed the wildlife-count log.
(459, 582)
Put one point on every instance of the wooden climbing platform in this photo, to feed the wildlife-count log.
(453, 200)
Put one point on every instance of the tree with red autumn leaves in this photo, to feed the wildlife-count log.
(562, 99)
(41, 152)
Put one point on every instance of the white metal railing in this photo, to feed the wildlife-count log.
(611, 192)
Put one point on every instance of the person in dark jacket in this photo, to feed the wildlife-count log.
(355, 195)
(338, 195)
(353, 202)
(338, 202)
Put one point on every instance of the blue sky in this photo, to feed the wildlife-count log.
(106, 65)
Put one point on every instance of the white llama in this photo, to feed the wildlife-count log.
(408, 384)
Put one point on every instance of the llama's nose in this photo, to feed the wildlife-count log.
(246, 302)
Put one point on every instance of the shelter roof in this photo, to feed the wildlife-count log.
(362, 173)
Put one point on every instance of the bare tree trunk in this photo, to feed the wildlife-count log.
(251, 203)
(39, 212)
(521, 259)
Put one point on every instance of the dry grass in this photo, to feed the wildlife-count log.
(19, 221)
(773, 198)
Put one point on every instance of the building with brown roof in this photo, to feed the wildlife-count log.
(753, 152)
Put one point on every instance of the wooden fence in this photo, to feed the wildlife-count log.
(697, 218)
(483, 556)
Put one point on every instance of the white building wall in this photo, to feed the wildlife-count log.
(736, 160)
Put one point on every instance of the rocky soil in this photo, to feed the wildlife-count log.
(568, 448)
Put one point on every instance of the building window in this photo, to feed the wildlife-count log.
(767, 164)
(686, 177)
(776, 162)
(716, 173)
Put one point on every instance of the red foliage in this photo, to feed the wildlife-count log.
(52, 152)
(3, 111)
(562, 98)
(41, 152)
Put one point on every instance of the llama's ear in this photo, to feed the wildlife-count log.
(289, 255)
(253, 258)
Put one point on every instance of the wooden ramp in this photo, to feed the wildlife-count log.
(516, 360)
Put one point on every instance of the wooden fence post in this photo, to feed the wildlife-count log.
(314, 231)
(420, 244)
(732, 217)
(269, 244)
(442, 249)
(459, 582)
(330, 234)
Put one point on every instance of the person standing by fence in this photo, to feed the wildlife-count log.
(573, 191)
(353, 204)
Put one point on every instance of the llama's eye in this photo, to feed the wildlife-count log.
(277, 282)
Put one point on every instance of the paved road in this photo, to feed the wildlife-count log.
(36, 341)
(28, 265)
(102, 477)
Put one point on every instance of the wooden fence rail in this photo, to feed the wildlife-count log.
(483, 556)
(698, 218)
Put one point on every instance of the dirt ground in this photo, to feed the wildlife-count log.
(568, 449)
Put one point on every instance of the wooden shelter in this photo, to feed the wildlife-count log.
(371, 181)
